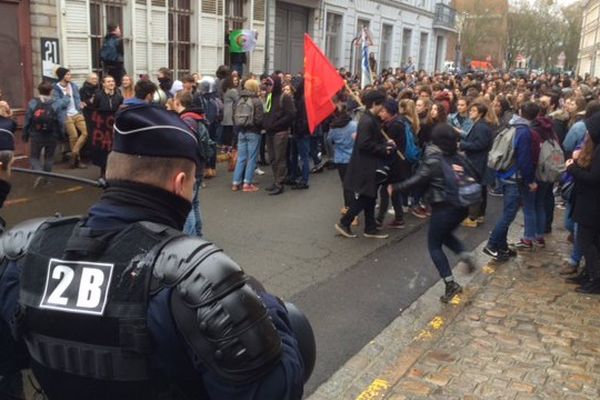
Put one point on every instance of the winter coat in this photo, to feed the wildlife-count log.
(229, 99)
(477, 145)
(87, 92)
(58, 105)
(586, 200)
(399, 169)
(429, 177)
(300, 125)
(105, 102)
(523, 169)
(369, 151)
(280, 109)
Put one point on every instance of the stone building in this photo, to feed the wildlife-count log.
(588, 60)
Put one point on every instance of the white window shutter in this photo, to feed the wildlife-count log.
(77, 42)
(159, 34)
(141, 40)
(211, 36)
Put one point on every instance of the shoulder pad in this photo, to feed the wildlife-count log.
(14, 243)
(223, 321)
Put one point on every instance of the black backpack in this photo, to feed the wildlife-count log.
(43, 119)
(109, 52)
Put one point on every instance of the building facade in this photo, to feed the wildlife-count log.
(417, 29)
(189, 35)
(588, 60)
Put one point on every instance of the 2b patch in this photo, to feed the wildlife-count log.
(77, 286)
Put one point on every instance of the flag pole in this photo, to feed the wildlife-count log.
(385, 135)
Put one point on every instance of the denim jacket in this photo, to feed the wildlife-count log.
(465, 127)
(57, 93)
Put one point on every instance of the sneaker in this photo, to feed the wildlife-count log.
(591, 287)
(396, 225)
(469, 223)
(495, 193)
(391, 212)
(508, 253)
(495, 254)
(541, 243)
(417, 212)
(345, 231)
(259, 171)
(376, 235)
(568, 269)
(300, 186)
(249, 187)
(452, 289)
(235, 187)
(468, 259)
(523, 244)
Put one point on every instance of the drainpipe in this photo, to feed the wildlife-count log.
(267, 36)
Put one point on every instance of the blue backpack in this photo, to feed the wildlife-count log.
(109, 52)
(412, 152)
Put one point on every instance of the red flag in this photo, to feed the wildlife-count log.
(321, 82)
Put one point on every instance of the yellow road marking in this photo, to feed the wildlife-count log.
(455, 300)
(16, 201)
(70, 190)
(437, 323)
(376, 390)
(488, 270)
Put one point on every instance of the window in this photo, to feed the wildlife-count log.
(234, 19)
(406, 39)
(386, 46)
(332, 38)
(180, 37)
(102, 13)
(423, 50)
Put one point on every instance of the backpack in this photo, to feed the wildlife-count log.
(206, 146)
(502, 154)
(109, 51)
(412, 151)
(43, 119)
(462, 189)
(214, 107)
(551, 163)
(243, 112)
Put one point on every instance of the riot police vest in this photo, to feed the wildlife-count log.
(83, 309)
(84, 301)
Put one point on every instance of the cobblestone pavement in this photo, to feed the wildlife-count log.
(517, 332)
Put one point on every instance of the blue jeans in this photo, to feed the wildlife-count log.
(529, 212)
(193, 223)
(302, 147)
(444, 220)
(511, 199)
(541, 200)
(248, 144)
(576, 253)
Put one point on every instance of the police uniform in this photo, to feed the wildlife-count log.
(122, 305)
(7, 142)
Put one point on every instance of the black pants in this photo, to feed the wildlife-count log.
(589, 242)
(366, 205)
(348, 195)
(444, 221)
(384, 203)
(478, 210)
(228, 135)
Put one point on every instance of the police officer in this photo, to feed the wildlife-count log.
(122, 305)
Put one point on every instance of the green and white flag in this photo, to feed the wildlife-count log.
(242, 40)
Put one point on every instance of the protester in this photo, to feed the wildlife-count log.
(89, 89)
(127, 87)
(74, 122)
(248, 118)
(342, 131)
(44, 129)
(230, 96)
(280, 112)
(300, 145)
(109, 98)
(460, 119)
(111, 53)
(446, 216)
(370, 149)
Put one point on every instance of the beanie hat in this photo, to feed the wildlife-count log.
(61, 72)
(391, 106)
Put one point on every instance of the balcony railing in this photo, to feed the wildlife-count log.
(445, 17)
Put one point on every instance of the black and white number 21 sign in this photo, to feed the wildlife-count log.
(77, 286)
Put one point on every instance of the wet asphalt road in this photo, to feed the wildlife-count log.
(349, 288)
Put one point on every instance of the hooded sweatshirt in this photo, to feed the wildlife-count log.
(524, 168)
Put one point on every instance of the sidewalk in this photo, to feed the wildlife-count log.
(517, 332)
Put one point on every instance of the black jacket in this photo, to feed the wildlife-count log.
(87, 92)
(477, 146)
(399, 169)
(429, 177)
(280, 117)
(106, 102)
(586, 207)
(369, 151)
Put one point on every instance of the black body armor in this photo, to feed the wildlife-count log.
(83, 310)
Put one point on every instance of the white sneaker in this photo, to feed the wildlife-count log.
(259, 171)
